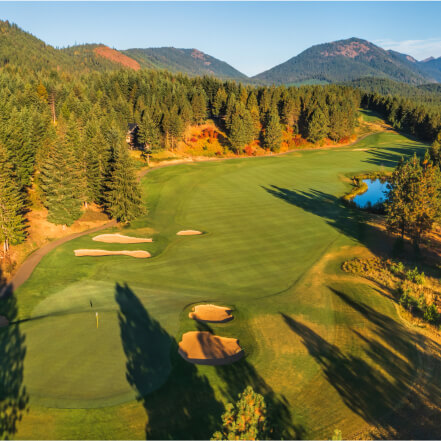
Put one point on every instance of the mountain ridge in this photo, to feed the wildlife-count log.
(349, 59)
(333, 62)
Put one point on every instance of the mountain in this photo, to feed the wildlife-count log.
(339, 61)
(432, 67)
(346, 60)
(20, 48)
(23, 49)
(189, 61)
(99, 55)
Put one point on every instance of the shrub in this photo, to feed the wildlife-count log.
(397, 268)
(407, 301)
(431, 314)
(415, 277)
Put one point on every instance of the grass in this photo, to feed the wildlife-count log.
(324, 348)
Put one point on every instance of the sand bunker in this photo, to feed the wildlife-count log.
(3, 321)
(188, 233)
(211, 313)
(202, 347)
(138, 253)
(119, 238)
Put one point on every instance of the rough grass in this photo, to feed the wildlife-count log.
(325, 348)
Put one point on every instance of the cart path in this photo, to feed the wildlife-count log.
(28, 266)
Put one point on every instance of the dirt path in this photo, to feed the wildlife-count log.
(28, 266)
(192, 160)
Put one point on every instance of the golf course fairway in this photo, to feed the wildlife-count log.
(326, 349)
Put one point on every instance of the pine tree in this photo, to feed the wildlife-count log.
(272, 136)
(124, 201)
(199, 107)
(12, 220)
(176, 128)
(317, 125)
(414, 199)
(246, 419)
(435, 151)
(242, 129)
(219, 102)
(59, 181)
(149, 134)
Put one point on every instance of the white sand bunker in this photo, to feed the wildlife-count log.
(3, 321)
(119, 238)
(211, 313)
(138, 253)
(188, 233)
(202, 347)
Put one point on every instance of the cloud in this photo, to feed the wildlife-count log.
(419, 49)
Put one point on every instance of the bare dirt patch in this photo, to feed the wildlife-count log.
(117, 57)
(211, 313)
(202, 347)
(3, 321)
(140, 254)
(120, 238)
(188, 233)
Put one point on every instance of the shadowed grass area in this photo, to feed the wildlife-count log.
(276, 234)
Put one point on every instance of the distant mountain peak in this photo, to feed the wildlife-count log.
(347, 60)
(428, 59)
(347, 48)
(199, 55)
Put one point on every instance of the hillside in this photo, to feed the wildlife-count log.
(346, 60)
(427, 94)
(432, 67)
(19, 48)
(190, 61)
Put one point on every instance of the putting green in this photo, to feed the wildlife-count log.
(326, 349)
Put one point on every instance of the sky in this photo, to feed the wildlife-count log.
(251, 36)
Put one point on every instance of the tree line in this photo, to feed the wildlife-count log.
(413, 117)
(62, 134)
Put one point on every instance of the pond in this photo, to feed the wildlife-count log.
(375, 194)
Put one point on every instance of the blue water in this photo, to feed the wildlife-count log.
(373, 195)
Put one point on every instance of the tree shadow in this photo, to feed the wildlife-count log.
(179, 401)
(14, 398)
(237, 376)
(352, 223)
(349, 221)
(390, 156)
(382, 387)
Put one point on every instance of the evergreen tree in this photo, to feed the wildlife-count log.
(60, 181)
(272, 136)
(176, 128)
(199, 107)
(317, 125)
(414, 198)
(12, 220)
(435, 151)
(219, 102)
(149, 134)
(246, 419)
(242, 129)
(124, 201)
